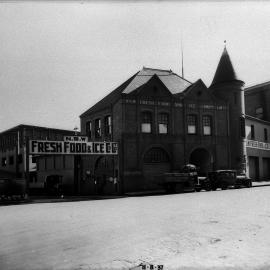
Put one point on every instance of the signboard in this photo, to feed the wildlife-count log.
(258, 145)
(76, 138)
(40, 147)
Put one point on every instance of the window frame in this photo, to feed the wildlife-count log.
(98, 128)
(252, 132)
(265, 134)
(163, 119)
(207, 123)
(146, 121)
(189, 124)
(108, 125)
(88, 129)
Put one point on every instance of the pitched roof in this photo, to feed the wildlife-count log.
(110, 98)
(225, 71)
(21, 126)
(258, 87)
(171, 80)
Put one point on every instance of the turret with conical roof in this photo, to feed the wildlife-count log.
(225, 71)
(227, 86)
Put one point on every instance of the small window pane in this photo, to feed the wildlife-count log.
(191, 129)
(146, 128)
(163, 128)
(206, 130)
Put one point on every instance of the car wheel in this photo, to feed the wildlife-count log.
(224, 186)
(208, 187)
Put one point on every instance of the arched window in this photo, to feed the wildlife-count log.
(192, 124)
(156, 155)
(146, 125)
(163, 123)
(207, 124)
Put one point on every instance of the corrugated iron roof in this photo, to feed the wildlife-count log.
(171, 80)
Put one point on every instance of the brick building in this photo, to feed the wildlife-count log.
(161, 122)
(13, 156)
(257, 99)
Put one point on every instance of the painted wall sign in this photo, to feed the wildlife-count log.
(76, 138)
(258, 145)
(39, 147)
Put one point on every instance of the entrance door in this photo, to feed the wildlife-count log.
(200, 157)
(253, 168)
(155, 163)
(266, 168)
(104, 176)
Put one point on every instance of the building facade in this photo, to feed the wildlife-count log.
(161, 122)
(257, 99)
(16, 163)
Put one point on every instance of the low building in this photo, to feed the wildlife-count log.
(16, 163)
(257, 99)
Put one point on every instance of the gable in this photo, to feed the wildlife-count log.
(154, 88)
(199, 92)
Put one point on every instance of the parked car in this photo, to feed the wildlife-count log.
(222, 179)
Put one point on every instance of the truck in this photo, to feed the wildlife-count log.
(181, 181)
(222, 179)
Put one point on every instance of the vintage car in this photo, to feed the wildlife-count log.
(222, 179)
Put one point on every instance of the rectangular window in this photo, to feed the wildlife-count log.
(252, 132)
(146, 125)
(207, 125)
(89, 129)
(265, 134)
(4, 162)
(192, 124)
(259, 112)
(163, 123)
(97, 128)
(242, 127)
(108, 125)
(11, 160)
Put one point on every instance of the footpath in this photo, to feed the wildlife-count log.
(58, 199)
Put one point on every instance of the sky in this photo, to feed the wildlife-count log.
(57, 59)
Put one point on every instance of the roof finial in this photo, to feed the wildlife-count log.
(182, 57)
(225, 43)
